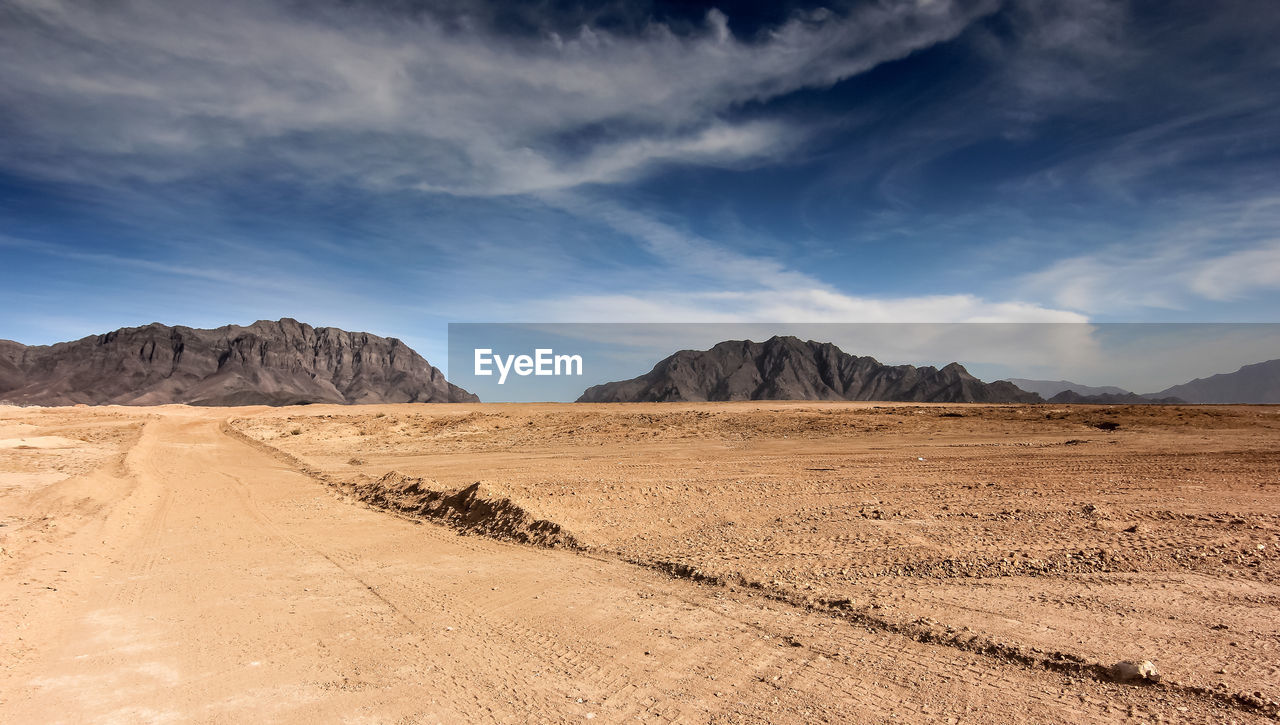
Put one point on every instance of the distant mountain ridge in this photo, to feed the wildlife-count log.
(1049, 388)
(1074, 398)
(1257, 383)
(283, 362)
(786, 368)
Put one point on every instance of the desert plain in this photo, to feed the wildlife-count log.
(706, 562)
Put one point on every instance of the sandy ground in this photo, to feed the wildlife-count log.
(760, 562)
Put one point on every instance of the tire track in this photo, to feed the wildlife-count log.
(574, 663)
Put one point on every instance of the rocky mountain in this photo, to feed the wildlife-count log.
(1259, 383)
(11, 375)
(273, 363)
(1073, 398)
(1049, 388)
(786, 368)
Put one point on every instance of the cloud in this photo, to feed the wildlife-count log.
(694, 278)
(814, 304)
(1213, 251)
(528, 171)
(1116, 280)
(1233, 275)
(157, 90)
(1170, 278)
(1058, 51)
(358, 99)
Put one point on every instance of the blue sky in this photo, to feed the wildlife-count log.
(395, 166)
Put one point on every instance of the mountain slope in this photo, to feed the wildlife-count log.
(11, 375)
(785, 368)
(1258, 383)
(1049, 388)
(273, 363)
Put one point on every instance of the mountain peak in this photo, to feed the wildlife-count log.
(786, 368)
(280, 362)
(1256, 383)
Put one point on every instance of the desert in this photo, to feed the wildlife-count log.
(397, 362)
(662, 562)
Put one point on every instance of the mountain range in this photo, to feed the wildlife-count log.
(1074, 398)
(283, 362)
(286, 362)
(1258, 383)
(786, 368)
(1049, 388)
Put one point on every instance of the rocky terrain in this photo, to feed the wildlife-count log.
(786, 368)
(284, 362)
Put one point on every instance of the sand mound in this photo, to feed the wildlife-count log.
(474, 509)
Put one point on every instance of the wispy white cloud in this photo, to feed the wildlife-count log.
(817, 303)
(157, 89)
(1121, 279)
(694, 278)
(1054, 53)
(1217, 252)
(1118, 280)
(1238, 273)
(337, 93)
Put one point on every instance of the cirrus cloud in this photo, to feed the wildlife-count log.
(163, 90)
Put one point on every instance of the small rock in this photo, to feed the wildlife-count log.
(1129, 671)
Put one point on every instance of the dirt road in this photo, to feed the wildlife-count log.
(190, 577)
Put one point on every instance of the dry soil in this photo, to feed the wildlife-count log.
(732, 562)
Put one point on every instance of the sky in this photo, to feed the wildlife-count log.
(396, 166)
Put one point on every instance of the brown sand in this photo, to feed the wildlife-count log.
(753, 562)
